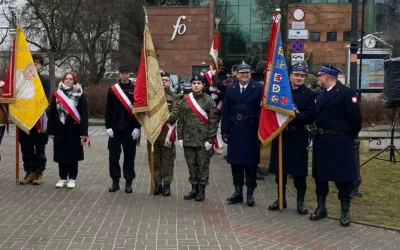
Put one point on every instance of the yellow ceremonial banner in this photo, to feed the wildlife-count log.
(150, 106)
(30, 99)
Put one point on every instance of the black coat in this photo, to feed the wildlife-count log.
(67, 141)
(244, 146)
(116, 116)
(295, 138)
(333, 155)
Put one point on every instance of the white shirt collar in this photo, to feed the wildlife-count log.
(331, 87)
(245, 86)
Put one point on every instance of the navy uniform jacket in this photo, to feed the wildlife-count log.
(295, 137)
(333, 155)
(244, 146)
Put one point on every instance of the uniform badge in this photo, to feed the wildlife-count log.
(354, 99)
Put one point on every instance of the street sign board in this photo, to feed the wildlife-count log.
(297, 57)
(298, 34)
(297, 46)
(298, 25)
(298, 14)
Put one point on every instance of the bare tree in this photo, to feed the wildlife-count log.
(49, 26)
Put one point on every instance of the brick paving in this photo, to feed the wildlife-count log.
(89, 217)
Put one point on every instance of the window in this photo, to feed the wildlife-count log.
(331, 36)
(315, 36)
(177, 2)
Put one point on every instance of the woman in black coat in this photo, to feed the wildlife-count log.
(295, 140)
(68, 127)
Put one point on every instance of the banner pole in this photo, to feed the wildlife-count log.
(280, 174)
(152, 170)
(17, 155)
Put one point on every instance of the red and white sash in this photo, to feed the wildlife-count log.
(123, 98)
(218, 143)
(208, 75)
(171, 130)
(219, 106)
(196, 108)
(41, 124)
(3, 108)
(68, 105)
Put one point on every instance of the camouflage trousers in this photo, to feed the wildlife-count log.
(198, 161)
(164, 160)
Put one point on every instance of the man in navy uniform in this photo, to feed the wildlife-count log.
(295, 140)
(338, 120)
(240, 117)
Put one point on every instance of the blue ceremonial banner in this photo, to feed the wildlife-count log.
(278, 91)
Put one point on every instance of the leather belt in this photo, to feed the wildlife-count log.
(239, 117)
(332, 132)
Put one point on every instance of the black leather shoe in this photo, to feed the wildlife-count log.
(128, 187)
(158, 188)
(201, 194)
(166, 191)
(275, 206)
(114, 187)
(301, 206)
(345, 214)
(237, 196)
(250, 197)
(192, 194)
(260, 176)
(321, 211)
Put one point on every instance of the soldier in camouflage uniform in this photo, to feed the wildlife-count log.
(164, 147)
(197, 129)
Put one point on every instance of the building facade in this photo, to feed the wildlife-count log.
(182, 30)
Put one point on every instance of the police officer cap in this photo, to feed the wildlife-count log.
(243, 67)
(166, 74)
(124, 68)
(299, 68)
(197, 77)
(235, 66)
(330, 70)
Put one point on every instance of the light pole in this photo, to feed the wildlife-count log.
(353, 85)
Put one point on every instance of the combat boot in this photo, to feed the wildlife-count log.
(275, 206)
(237, 196)
(166, 191)
(301, 206)
(29, 177)
(38, 180)
(192, 194)
(128, 186)
(345, 213)
(201, 194)
(321, 211)
(114, 187)
(250, 197)
(158, 189)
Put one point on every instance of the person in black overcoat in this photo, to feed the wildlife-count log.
(295, 140)
(67, 133)
(338, 120)
(239, 128)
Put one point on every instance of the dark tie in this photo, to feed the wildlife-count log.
(242, 90)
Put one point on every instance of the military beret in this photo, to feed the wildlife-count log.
(124, 68)
(299, 68)
(166, 74)
(197, 77)
(330, 70)
(243, 67)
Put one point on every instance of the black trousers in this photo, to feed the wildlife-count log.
(344, 188)
(239, 172)
(122, 138)
(300, 182)
(33, 150)
(69, 169)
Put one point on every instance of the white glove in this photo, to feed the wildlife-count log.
(51, 136)
(214, 96)
(212, 89)
(180, 142)
(136, 133)
(110, 133)
(208, 146)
